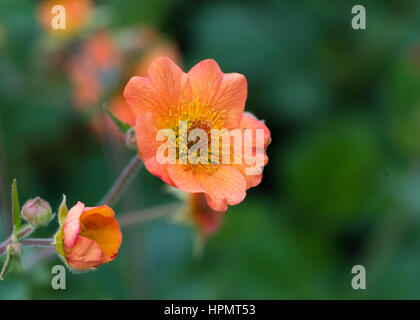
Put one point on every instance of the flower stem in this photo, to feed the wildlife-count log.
(122, 181)
(37, 242)
(144, 215)
(24, 232)
(3, 246)
(3, 269)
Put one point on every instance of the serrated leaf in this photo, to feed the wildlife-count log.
(122, 126)
(15, 208)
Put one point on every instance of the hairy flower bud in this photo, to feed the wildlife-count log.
(37, 212)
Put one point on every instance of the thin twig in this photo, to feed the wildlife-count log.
(144, 215)
(122, 181)
(37, 242)
(3, 270)
(3, 246)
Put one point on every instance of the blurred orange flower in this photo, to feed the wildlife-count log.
(204, 98)
(97, 61)
(77, 12)
(91, 236)
(161, 49)
(102, 50)
(207, 220)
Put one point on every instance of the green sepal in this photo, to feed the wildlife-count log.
(122, 126)
(16, 219)
(62, 214)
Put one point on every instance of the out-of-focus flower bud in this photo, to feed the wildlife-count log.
(37, 212)
(131, 138)
(197, 212)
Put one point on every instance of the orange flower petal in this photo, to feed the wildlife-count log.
(165, 86)
(85, 254)
(71, 228)
(147, 146)
(183, 179)
(249, 121)
(101, 226)
(103, 210)
(226, 186)
(224, 92)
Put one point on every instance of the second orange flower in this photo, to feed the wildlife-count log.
(205, 98)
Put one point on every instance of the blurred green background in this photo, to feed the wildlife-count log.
(342, 186)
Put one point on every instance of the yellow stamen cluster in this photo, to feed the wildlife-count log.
(196, 115)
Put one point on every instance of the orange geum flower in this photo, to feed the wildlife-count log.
(205, 98)
(97, 60)
(89, 236)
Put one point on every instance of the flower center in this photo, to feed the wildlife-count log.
(88, 233)
(198, 115)
(193, 115)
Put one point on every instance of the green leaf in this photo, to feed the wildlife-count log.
(122, 126)
(15, 208)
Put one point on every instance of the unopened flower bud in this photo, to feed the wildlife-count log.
(37, 212)
(88, 237)
(131, 139)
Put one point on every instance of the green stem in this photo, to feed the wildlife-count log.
(122, 182)
(37, 242)
(22, 234)
(144, 215)
(3, 270)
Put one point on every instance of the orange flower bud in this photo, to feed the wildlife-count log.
(89, 237)
(196, 210)
(37, 212)
(207, 220)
